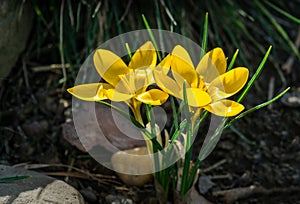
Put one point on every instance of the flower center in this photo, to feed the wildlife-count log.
(201, 83)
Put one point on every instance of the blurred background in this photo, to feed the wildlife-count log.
(44, 43)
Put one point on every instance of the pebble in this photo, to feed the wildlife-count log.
(133, 166)
(117, 199)
(205, 184)
(89, 194)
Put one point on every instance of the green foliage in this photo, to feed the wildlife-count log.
(14, 178)
(67, 31)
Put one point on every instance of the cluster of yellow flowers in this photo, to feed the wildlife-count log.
(208, 85)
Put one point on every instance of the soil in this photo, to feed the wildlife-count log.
(263, 149)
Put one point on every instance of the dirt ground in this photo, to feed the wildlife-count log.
(262, 150)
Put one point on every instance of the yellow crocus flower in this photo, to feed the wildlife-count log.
(208, 85)
(125, 83)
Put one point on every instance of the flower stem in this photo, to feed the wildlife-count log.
(189, 134)
(193, 173)
(187, 160)
(136, 109)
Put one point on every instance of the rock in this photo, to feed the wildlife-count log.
(89, 194)
(16, 23)
(133, 166)
(117, 199)
(36, 189)
(205, 184)
(106, 130)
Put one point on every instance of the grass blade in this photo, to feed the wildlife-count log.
(257, 107)
(233, 60)
(230, 32)
(128, 50)
(255, 76)
(242, 136)
(14, 178)
(286, 14)
(151, 36)
(178, 130)
(279, 28)
(204, 37)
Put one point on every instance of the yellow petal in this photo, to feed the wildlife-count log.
(90, 92)
(144, 57)
(228, 84)
(117, 96)
(153, 97)
(225, 108)
(212, 65)
(197, 97)
(182, 67)
(165, 64)
(109, 66)
(167, 84)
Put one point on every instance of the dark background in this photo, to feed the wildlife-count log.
(262, 149)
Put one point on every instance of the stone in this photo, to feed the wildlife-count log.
(89, 194)
(117, 199)
(133, 166)
(106, 130)
(16, 20)
(36, 189)
(205, 184)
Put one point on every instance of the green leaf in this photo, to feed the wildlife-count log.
(204, 37)
(233, 60)
(151, 36)
(178, 131)
(255, 108)
(286, 14)
(255, 76)
(278, 27)
(14, 178)
(128, 50)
